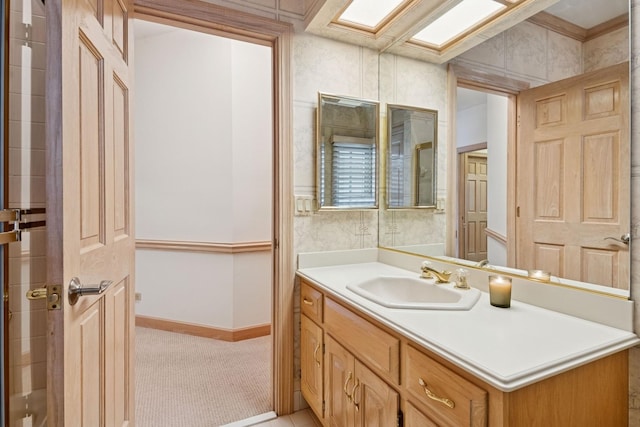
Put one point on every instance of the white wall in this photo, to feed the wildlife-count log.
(203, 174)
(471, 126)
(497, 176)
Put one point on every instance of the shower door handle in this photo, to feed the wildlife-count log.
(76, 290)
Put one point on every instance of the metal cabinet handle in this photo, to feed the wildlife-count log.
(625, 238)
(76, 290)
(346, 383)
(307, 302)
(431, 395)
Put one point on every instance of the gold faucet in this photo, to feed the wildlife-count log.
(440, 276)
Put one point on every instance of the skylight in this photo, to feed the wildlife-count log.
(369, 13)
(463, 16)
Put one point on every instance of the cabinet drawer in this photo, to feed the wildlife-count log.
(311, 302)
(372, 345)
(448, 399)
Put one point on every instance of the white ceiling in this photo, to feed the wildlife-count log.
(589, 13)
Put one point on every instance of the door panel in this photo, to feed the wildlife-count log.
(339, 380)
(475, 218)
(89, 212)
(573, 174)
(377, 403)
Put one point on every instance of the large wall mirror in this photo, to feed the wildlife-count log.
(600, 257)
(412, 139)
(347, 153)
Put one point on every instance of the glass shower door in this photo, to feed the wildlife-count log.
(24, 261)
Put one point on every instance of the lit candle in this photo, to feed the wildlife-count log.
(500, 291)
(540, 275)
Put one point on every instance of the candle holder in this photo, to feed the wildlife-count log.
(500, 291)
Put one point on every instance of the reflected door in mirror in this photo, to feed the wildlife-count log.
(573, 178)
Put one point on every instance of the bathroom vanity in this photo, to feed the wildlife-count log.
(364, 364)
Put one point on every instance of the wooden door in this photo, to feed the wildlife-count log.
(89, 211)
(339, 384)
(375, 402)
(474, 218)
(311, 364)
(573, 177)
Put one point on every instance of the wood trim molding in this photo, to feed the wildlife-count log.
(559, 25)
(566, 28)
(203, 330)
(495, 235)
(472, 147)
(212, 247)
(219, 20)
(607, 27)
(472, 78)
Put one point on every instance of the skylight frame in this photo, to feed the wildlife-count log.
(499, 9)
(402, 7)
(469, 31)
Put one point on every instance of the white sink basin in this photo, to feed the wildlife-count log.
(415, 293)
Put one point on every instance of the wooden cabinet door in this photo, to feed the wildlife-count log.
(338, 385)
(376, 403)
(311, 362)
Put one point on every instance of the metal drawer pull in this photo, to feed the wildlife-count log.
(346, 383)
(307, 302)
(353, 394)
(315, 354)
(450, 403)
(76, 290)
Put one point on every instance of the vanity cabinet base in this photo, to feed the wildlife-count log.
(371, 371)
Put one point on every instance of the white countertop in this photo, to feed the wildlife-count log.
(507, 348)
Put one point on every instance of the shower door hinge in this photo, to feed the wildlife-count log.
(20, 220)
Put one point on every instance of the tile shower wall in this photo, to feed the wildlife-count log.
(27, 259)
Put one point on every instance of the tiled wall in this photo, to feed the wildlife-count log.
(27, 261)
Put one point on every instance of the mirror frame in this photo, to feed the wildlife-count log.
(416, 161)
(318, 158)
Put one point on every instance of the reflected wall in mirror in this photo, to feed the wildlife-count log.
(347, 153)
(535, 53)
(411, 157)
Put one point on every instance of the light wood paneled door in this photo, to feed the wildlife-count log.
(573, 177)
(474, 217)
(312, 364)
(89, 211)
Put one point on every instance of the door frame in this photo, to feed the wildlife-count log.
(461, 76)
(4, 275)
(217, 20)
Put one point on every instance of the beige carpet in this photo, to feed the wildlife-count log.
(182, 380)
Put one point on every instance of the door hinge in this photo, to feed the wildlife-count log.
(21, 220)
(323, 406)
(50, 292)
(276, 244)
(323, 349)
(517, 211)
(400, 418)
